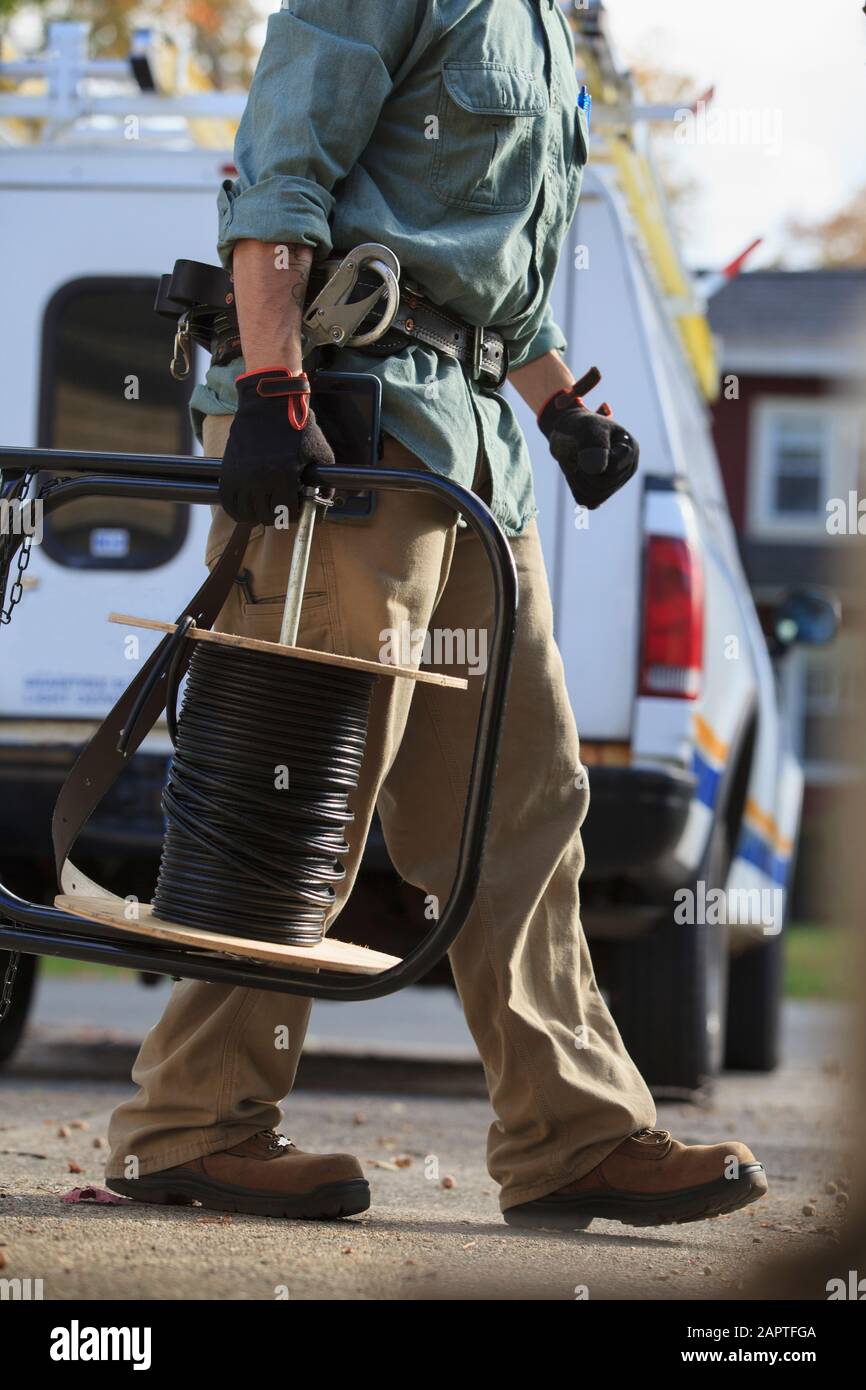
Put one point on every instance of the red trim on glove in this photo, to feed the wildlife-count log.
(299, 412)
(562, 391)
(298, 393)
(258, 371)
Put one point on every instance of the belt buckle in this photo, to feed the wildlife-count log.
(503, 370)
(477, 352)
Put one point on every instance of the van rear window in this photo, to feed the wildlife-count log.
(106, 386)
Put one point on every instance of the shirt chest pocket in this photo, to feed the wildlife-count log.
(579, 156)
(487, 120)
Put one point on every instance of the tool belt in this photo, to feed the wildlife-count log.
(202, 296)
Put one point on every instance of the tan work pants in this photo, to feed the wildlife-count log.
(563, 1088)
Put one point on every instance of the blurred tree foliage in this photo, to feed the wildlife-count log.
(219, 30)
(838, 240)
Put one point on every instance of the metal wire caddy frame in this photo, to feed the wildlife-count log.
(36, 929)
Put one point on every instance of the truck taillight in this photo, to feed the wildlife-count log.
(673, 620)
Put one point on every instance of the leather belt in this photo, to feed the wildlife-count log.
(205, 294)
(482, 351)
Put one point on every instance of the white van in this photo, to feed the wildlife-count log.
(693, 789)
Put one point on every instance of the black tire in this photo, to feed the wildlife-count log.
(12, 1026)
(668, 992)
(754, 1021)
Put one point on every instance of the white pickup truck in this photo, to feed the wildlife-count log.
(693, 789)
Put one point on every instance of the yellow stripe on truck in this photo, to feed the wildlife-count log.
(766, 824)
(708, 740)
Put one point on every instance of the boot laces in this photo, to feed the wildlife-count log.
(658, 1136)
(277, 1141)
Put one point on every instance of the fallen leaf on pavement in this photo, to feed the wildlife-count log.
(95, 1194)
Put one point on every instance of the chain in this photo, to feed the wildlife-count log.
(9, 984)
(5, 618)
(24, 552)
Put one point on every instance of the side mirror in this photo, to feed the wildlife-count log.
(810, 617)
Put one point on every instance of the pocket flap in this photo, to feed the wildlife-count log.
(492, 89)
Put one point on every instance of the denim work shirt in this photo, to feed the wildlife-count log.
(450, 131)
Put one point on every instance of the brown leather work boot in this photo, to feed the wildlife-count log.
(265, 1175)
(652, 1179)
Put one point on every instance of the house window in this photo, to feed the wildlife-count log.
(804, 453)
(106, 386)
(825, 693)
(799, 449)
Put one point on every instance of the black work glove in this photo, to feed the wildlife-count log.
(596, 454)
(273, 438)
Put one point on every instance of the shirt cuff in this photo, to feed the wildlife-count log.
(548, 337)
(283, 209)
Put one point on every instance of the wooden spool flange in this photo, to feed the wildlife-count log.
(81, 897)
(354, 663)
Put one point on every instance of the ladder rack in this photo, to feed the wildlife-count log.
(621, 138)
(65, 87)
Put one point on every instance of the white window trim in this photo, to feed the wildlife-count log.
(816, 771)
(840, 470)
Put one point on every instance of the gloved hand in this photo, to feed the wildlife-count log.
(273, 438)
(596, 454)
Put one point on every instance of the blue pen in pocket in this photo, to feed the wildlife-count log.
(584, 101)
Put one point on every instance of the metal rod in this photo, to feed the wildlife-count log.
(298, 569)
(167, 467)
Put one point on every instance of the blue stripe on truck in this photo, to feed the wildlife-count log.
(758, 851)
(751, 846)
(709, 777)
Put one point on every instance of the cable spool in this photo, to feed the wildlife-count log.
(243, 851)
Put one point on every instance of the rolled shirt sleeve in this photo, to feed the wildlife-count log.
(296, 138)
(542, 336)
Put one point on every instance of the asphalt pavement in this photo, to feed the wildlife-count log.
(397, 1083)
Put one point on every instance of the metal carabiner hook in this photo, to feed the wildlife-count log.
(392, 290)
(332, 321)
(181, 360)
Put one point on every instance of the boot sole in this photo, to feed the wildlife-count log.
(644, 1209)
(330, 1202)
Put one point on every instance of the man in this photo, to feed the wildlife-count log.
(449, 130)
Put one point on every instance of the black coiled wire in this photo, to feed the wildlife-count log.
(241, 854)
